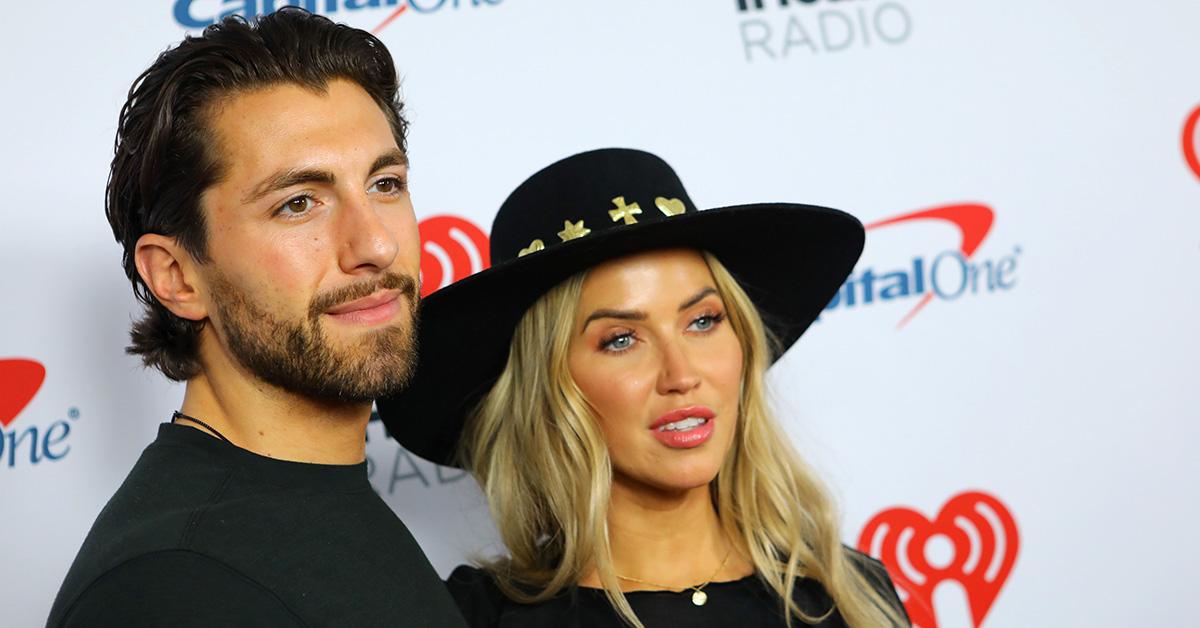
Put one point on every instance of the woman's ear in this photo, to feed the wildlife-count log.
(170, 274)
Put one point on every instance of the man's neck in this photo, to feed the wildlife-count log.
(275, 423)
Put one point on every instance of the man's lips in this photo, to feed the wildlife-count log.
(700, 412)
(375, 308)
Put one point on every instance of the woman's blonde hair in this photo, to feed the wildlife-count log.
(536, 448)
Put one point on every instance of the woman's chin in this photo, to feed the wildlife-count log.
(679, 480)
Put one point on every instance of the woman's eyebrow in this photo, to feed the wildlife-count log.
(637, 315)
(698, 297)
(625, 315)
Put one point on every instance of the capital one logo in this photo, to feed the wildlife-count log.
(452, 248)
(1190, 152)
(952, 274)
(20, 381)
(973, 541)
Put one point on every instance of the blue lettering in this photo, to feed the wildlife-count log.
(1007, 265)
(936, 276)
(15, 441)
(50, 439)
(183, 15)
(868, 283)
(918, 274)
(897, 288)
(850, 292)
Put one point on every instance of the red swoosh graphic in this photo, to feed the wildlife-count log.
(20, 380)
(1189, 142)
(388, 20)
(973, 221)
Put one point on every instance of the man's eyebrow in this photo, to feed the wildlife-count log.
(698, 297)
(394, 157)
(287, 178)
(625, 315)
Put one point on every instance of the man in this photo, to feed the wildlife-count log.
(259, 191)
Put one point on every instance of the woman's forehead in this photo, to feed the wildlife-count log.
(645, 279)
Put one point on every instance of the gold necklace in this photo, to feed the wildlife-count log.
(699, 597)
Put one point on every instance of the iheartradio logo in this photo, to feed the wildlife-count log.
(1190, 152)
(973, 541)
(452, 248)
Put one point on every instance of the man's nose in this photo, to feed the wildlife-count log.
(367, 242)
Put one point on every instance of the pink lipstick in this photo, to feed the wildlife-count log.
(684, 428)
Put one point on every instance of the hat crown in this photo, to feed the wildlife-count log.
(585, 194)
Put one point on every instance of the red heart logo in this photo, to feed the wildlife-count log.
(20, 380)
(452, 248)
(984, 541)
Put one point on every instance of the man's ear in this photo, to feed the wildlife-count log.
(170, 273)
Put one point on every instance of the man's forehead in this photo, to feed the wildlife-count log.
(288, 125)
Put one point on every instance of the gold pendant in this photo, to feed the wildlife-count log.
(699, 598)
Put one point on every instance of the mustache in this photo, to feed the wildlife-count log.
(406, 284)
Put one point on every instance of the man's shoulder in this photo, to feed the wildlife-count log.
(331, 553)
(177, 586)
(144, 521)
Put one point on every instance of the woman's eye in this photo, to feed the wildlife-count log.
(618, 343)
(705, 322)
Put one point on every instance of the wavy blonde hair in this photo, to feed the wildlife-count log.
(536, 449)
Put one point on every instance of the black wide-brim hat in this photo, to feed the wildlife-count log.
(581, 211)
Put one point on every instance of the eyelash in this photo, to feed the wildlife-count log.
(400, 183)
(606, 342)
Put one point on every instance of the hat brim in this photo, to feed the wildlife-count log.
(789, 258)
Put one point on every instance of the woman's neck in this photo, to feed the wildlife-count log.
(671, 539)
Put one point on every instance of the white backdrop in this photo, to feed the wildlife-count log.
(1053, 388)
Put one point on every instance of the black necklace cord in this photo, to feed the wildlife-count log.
(179, 415)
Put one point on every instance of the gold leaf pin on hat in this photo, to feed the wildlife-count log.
(623, 211)
(534, 247)
(669, 206)
(572, 230)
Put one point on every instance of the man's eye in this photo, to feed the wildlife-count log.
(390, 185)
(297, 205)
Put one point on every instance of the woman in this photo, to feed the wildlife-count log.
(603, 381)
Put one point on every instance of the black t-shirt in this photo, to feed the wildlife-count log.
(203, 533)
(745, 603)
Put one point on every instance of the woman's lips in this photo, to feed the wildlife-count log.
(684, 428)
(374, 309)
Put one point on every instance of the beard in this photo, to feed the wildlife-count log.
(297, 355)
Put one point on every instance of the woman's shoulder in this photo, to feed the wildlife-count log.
(484, 605)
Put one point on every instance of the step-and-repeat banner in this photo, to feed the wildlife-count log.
(1003, 395)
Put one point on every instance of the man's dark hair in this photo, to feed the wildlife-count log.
(165, 154)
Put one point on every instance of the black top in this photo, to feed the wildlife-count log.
(203, 533)
(745, 603)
